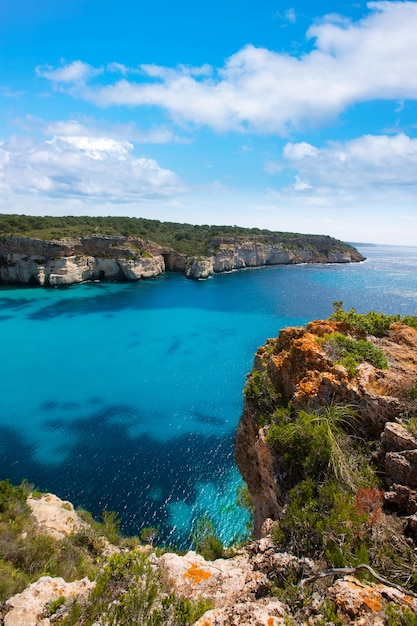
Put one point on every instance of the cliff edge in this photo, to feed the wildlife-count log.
(327, 442)
(52, 263)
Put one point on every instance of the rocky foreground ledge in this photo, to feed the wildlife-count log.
(113, 258)
(257, 585)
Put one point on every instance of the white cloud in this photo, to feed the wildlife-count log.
(92, 168)
(265, 91)
(289, 15)
(358, 190)
(300, 185)
(296, 151)
(7, 92)
(369, 161)
(76, 73)
(121, 131)
(117, 68)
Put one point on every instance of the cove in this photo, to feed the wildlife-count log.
(126, 397)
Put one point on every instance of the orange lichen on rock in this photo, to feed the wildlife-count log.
(196, 574)
(308, 386)
(353, 597)
(209, 619)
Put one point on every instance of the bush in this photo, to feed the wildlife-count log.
(316, 444)
(350, 352)
(130, 591)
(260, 394)
(322, 522)
(205, 541)
(399, 616)
(371, 323)
(26, 554)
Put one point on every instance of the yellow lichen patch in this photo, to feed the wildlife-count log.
(196, 574)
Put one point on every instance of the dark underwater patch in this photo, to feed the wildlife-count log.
(104, 467)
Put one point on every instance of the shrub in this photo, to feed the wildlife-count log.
(322, 522)
(316, 444)
(260, 394)
(399, 615)
(350, 352)
(371, 323)
(130, 591)
(126, 591)
(205, 541)
(244, 500)
(149, 534)
(187, 612)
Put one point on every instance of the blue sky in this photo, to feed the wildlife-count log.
(293, 116)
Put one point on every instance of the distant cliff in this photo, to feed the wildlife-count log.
(25, 260)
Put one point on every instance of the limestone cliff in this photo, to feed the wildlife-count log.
(230, 253)
(69, 261)
(301, 371)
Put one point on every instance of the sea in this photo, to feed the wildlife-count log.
(125, 397)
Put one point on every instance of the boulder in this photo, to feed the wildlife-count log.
(27, 608)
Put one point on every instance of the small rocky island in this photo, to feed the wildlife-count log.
(198, 251)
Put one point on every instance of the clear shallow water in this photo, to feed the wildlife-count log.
(126, 397)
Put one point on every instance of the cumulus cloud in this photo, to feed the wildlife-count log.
(71, 165)
(368, 161)
(265, 91)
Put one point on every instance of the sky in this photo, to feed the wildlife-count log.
(293, 116)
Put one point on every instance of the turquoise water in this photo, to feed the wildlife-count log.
(126, 397)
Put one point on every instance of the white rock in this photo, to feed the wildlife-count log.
(26, 608)
(56, 517)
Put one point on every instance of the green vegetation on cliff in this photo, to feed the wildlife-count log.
(371, 323)
(331, 486)
(185, 238)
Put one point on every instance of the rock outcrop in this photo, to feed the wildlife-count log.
(302, 372)
(94, 258)
(257, 584)
(55, 516)
(29, 608)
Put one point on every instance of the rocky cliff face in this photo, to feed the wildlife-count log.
(56, 263)
(69, 261)
(238, 253)
(303, 372)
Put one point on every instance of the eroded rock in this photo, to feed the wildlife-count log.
(54, 516)
(27, 608)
